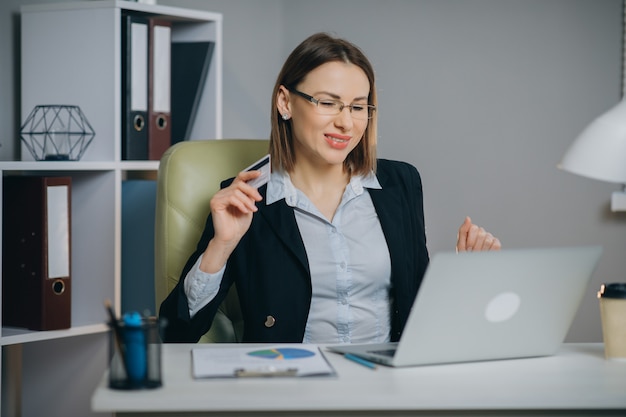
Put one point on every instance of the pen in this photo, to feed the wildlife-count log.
(360, 361)
(117, 331)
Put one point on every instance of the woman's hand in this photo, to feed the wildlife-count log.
(232, 209)
(475, 238)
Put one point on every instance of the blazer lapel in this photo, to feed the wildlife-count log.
(281, 219)
(388, 203)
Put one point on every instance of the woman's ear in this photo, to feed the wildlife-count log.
(283, 104)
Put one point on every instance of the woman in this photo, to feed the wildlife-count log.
(333, 248)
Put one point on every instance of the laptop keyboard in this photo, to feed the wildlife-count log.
(384, 352)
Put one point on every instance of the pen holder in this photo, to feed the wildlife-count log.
(135, 348)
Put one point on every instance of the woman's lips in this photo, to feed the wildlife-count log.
(337, 141)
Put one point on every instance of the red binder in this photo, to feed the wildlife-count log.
(36, 252)
(159, 91)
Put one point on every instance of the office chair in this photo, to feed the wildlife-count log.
(189, 174)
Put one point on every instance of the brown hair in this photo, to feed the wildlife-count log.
(314, 51)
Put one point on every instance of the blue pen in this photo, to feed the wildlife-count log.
(359, 360)
(135, 343)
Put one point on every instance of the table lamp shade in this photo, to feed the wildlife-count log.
(599, 152)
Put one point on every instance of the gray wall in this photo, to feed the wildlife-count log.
(483, 96)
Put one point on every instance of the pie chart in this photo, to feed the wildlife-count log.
(282, 353)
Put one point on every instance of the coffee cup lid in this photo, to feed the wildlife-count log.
(613, 290)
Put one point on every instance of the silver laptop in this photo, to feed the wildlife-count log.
(490, 305)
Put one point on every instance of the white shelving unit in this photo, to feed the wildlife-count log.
(71, 54)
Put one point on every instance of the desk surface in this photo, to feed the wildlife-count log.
(577, 380)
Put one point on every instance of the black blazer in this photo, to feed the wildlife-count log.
(271, 270)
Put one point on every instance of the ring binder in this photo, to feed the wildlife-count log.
(191, 62)
(159, 89)
(36, 266)
(134, 87)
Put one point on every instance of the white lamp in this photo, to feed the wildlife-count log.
(599, 152)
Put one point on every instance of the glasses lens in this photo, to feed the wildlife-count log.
(329, 106)
(333, 107)
(361, 111)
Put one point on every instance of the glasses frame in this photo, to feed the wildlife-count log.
(342, 105)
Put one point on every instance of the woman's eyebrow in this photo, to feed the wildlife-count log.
(335, 96)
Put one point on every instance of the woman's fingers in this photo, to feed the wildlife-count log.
(475, 238)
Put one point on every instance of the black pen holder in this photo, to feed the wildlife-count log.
(135, 355)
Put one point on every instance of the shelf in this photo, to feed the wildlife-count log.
(67, 166)
(81, 45)
(13, 335)
(170, 12)
(75, 166)
(86, 70)
(139, 165)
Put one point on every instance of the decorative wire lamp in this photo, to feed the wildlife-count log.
(56, 133)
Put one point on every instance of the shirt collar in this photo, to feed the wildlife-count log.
(280, 186)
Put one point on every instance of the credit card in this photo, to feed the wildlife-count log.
(265, 167)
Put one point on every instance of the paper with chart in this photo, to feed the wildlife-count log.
(259, 361)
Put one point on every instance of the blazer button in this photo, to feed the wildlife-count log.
(269, 321)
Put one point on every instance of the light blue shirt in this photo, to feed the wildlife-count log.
(349, 262)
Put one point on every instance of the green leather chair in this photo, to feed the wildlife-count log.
(189, 174)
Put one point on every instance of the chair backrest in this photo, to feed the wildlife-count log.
(189, 174)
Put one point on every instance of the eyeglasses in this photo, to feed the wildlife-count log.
(334, 107)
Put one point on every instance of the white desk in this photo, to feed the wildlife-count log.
(577, 381)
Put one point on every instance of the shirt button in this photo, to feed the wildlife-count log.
(269, 321)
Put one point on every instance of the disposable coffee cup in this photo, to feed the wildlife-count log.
(613, 313)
